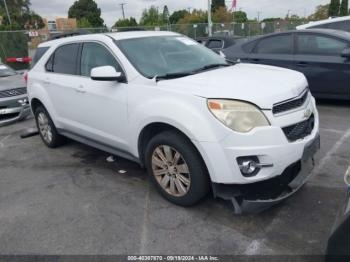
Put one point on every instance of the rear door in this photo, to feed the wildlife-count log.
(60, 82)
(318, 56)
(276, 50)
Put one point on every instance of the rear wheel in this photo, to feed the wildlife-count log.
(176, 169)
(47, 129)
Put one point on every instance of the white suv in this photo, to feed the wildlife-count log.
(246, 132)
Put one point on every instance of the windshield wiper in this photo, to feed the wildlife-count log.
(211, 66)
(173, 75)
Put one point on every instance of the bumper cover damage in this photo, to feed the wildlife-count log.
(259, 196)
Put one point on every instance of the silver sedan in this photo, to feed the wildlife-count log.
(14, 105)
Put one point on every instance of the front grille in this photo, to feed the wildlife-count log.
(300, 130)
(290, 105)
(13, 92)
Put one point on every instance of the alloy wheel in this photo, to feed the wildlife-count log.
(171, 170)
(45, 127)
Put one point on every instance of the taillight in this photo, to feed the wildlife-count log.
(26, 77)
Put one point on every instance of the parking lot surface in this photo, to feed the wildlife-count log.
(70, 200)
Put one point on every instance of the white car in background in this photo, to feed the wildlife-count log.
(248, 132)
(338, 23)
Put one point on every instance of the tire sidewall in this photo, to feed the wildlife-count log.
(55, 136)
(198, 173)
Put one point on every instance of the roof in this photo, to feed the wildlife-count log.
(331, 32)
(116, 36)
(323, 22)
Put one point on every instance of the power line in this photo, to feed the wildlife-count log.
(122, 6)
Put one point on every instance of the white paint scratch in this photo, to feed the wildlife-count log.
(144, 229)
(2, 145)
(253, 248)
(329, 154)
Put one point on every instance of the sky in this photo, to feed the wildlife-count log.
(111, 10)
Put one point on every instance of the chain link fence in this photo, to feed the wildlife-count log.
(19, 44)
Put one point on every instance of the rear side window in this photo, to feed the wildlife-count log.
(64, 60)
(40, 51)
(310, 44)
(281, 44)
(95, 55)
(215, 44)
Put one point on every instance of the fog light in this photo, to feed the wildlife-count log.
(250, 165)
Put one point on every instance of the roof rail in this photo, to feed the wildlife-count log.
(69, 34)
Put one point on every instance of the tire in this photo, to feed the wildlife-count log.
(185, 175)
(47, 129)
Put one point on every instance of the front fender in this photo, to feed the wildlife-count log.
(188, 114)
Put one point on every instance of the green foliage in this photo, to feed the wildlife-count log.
(344, 8)
(321, 13)
(272, 19)
(240, 17)
(177, 16)
(83, 23)
(128, 22)
(150, 17)
(13, 44)
(21, 16)
(166, 14)
(87, 9)
(334, 8)
(216, 4)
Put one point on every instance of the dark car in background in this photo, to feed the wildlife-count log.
(322, 55)
(218, 43)
(14, 104)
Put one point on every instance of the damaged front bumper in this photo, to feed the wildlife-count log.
(259, 196)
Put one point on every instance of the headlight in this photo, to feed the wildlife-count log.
(239, 116)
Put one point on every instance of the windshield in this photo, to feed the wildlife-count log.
(6, 71)
(168, 55)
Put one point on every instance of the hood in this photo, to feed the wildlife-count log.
(11, 82)
(258, 84)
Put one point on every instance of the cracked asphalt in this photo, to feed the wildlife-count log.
(70, 200)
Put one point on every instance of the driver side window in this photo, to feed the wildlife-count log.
(95, 55)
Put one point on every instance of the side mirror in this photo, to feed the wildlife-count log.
(106, 73)
(346, 53)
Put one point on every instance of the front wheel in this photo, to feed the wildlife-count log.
(176, 169)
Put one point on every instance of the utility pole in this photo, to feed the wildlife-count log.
(189, 9)
(209, 18)
(259, 13)
(122, 6)
(288, 13)
(7, 12)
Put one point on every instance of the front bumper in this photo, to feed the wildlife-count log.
(13, 109)
(257, 197)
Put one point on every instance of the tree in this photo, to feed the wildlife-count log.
(21, 15)
(178, 15)
(83, 23)
(166, 14)
(240, 17)
(216, 4)
(128, 22)
(87, 9)
(344, 8)
(321, 13)
(334, 8)
(150, 17)
(221, 15)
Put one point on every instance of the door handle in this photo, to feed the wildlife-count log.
(80, 90)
